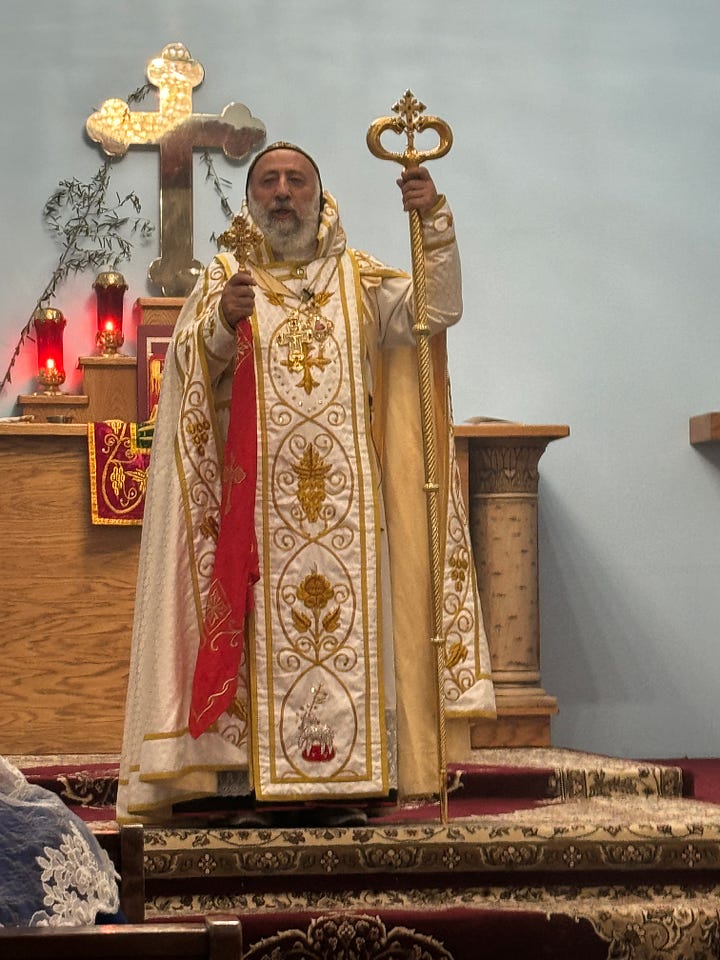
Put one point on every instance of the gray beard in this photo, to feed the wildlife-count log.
(292, 240)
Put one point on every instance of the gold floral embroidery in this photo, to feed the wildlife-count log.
(209, 527)
(276, 299)
(458, 564)
(311, 472)
(119, 477)
(455, 654)
(199, 433)
(315, 592)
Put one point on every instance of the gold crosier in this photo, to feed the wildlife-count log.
(410, 120)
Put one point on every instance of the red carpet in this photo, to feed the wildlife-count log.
(90, 789)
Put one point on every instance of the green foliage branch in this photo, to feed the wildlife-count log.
(93, 229)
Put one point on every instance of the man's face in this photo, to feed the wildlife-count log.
(284, 197)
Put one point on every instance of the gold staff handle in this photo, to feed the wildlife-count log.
(411, 121)
(410, 157)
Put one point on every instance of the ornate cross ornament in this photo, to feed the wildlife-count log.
(304, 326)
(240, 238)
(176, 130)
(297, 334)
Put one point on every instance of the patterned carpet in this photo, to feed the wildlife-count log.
(547, 853)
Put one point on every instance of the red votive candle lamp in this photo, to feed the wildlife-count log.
(109, 288)
(49, 325)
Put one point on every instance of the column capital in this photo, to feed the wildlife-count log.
(504, 455)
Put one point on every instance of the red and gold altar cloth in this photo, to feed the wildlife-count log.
(119, 456)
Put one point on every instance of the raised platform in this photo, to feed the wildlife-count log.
(547, 853)
(510, 777)
(643, 874)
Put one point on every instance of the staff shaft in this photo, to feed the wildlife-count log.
(410, 120)
(425, 384)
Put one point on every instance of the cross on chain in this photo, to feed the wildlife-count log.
(176, 130)
(304, 326)
(299, 332)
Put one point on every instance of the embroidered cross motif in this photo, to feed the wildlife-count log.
(232, 473)
(307, 381)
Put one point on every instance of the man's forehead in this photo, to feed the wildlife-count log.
(285, 161)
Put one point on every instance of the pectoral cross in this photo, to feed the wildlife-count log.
(297, 335)
(176, 130)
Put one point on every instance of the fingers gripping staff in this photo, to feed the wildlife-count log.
(409, 121)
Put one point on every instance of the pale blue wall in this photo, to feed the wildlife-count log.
(585, 181)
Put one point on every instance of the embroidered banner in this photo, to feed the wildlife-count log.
(119, 455)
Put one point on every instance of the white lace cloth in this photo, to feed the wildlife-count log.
(53, 872)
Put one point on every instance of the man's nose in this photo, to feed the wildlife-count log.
(282, 189)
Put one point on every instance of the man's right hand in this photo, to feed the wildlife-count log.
(237, 300)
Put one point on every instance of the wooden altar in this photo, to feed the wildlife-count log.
(67, 586)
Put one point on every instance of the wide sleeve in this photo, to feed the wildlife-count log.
(393, 302)
(202, 324)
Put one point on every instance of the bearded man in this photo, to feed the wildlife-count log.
(281, 644)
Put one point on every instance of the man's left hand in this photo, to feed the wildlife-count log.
(418, 190)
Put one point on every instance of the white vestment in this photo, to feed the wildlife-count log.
(336, 693)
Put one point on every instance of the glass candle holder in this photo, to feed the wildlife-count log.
(109, 288)
(49, 325)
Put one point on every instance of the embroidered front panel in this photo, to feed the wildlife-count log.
(467, 681)
(198, 452)
(315, 657)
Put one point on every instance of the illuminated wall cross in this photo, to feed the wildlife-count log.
(176, 130)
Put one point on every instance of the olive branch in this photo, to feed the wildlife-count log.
(92, 228)
(94, 231)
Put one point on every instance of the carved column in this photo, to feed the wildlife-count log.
(502, 459)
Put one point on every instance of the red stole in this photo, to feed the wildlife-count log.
(230, 595)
